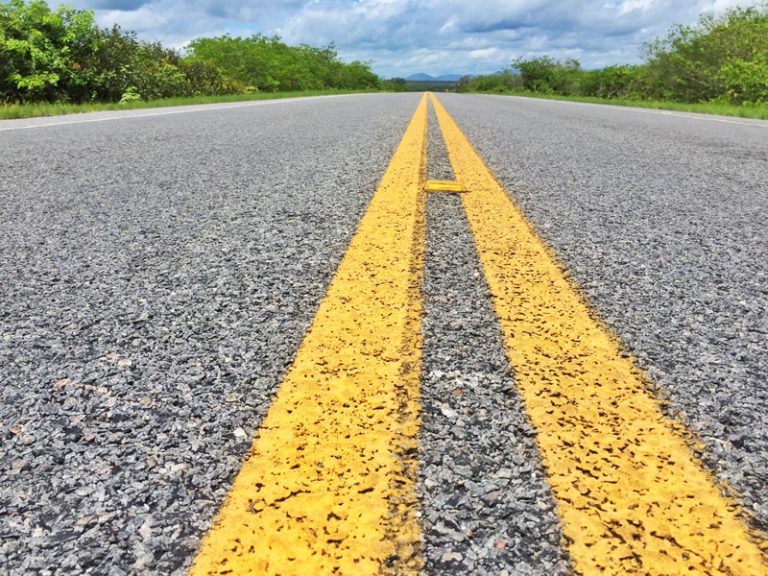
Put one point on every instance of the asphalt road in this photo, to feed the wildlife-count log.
(160, 268)
(661, 219)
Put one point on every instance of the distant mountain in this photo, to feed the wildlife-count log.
(449, 77)
(421, 77)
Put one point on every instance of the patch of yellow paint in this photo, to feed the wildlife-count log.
(632, 497)
(443, 186)
(328, 487)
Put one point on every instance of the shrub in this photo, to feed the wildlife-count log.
(745, 81)
(130, 95)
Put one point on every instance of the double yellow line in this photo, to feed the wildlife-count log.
(329, 485)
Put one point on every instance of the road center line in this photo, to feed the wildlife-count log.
(632, 497)
(329, 486)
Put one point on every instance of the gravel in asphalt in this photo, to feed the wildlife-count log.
(660, 218)
(487, 508)
(158, 275)
(160, 271)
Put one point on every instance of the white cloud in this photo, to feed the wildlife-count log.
(403, 37)
(484, 54)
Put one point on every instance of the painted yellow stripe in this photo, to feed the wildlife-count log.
(329, 485)
(631, 496)
(443, 186)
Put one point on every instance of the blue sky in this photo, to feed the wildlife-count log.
(403, 37)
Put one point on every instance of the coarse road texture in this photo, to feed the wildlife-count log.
(660, 219)
(630, 494)
(158, 274)
(163, 270)
(482, 452)
(329, 486)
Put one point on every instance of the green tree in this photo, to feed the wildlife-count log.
(689, 63)
(537, 74)
(746, 81)
(269, 64)
(41, 49)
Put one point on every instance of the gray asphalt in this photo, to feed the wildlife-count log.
(486, 505)
(158, 274)
(661, 219)
(159, 269)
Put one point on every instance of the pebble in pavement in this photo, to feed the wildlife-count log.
(487, 508)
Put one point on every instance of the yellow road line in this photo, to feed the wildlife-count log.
(329, 485)
(631, 496)
(443, 186)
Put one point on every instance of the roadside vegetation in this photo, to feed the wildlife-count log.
(35, 109)
(58, 60)
(718, 65)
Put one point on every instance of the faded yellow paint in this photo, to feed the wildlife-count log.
(631, 496)
(328, 487)
(443, 186)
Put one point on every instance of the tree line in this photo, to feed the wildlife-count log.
(62, 55)
(721, 58)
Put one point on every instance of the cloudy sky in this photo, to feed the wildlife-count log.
(403, 37)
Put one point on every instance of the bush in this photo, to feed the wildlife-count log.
(690, 63)
(41, 50)
(130, 95)
(269, 64)
(717, 58)
(61, 55)
(746, 82)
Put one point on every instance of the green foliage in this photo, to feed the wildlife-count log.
(268, 64)
(130, 96)
(63, 56)
(204, 78)
(613, 82)
(745, 81)
(40, 49)
(395, 85)
(723, 58)
(356, 75)
(690, 63)
(504, 81)
(538, 74)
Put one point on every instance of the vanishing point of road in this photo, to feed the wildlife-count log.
(384, 334)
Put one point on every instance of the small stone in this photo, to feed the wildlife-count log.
(145, 531)
(240, 435)
(448, 412)
(451, 557)
(178, 468)
(61, 383)
(504, 474)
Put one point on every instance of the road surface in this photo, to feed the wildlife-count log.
(160, 269)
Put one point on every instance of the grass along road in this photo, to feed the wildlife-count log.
(38, 109)
(756, 111)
